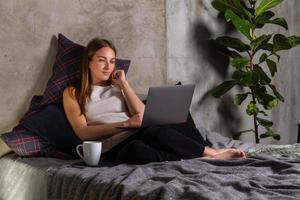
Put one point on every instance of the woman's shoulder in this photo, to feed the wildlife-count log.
(69, 91)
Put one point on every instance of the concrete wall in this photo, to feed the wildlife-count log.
(167, 41)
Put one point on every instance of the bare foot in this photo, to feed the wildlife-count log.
(226, 154)
(218, 151)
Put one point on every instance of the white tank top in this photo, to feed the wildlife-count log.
(107, 105)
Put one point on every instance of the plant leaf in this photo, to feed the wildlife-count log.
(223, 88)
(252, 109)
(234, 5)
(264, 17)
(276, 93)
(281, 43)
(267, 47)
(272, 66)
(264, 113)
(239, 98)
(266, 5)
(223, 5)
(233, 43)
(279, 21)
(264, 122)
(263, 39)
(294, 40)
(263, 57)
(239, 63)
(249, 78)
(237, 135)
(259, 89)
(270, 133)
(252, 2)
(267, 100)
(237, 75)
(272, 104)
(227, 52)
(241, 25)
(264, 135)
(276, 136)
(242, 6)
(264, 79)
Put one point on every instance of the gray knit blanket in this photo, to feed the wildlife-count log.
(260, 176)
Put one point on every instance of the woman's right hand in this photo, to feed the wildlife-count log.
(118, 77)
(134, 122)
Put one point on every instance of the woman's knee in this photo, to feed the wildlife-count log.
(150, 133)
(160, 137)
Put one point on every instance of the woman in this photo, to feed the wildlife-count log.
(103, 106)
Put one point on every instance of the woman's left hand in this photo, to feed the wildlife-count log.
(133, 122)
(118, 77)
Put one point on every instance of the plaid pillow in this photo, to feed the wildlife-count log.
(66, 70)
(26, 143)
(34, 106)
(23, 142)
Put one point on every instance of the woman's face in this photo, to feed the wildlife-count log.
(102, 65)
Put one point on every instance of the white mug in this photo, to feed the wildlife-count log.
(91, 152)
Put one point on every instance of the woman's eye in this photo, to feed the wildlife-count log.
(101, 60)
(113, 62)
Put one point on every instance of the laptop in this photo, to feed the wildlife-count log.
(167, 105)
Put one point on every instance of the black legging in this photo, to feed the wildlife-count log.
(159, 143)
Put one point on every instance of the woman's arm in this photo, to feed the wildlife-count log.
(91, 132)
(134, 104)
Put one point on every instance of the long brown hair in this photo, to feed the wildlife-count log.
(83, 89)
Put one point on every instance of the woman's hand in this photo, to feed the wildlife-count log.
(134, 122)
(118, 77)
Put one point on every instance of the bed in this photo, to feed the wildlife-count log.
(269, 172)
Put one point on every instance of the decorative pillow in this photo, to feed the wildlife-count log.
(53, 127)
(34, 106)
(23, 142)
(26, 143)
(66, 70)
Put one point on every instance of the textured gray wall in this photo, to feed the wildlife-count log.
(167, 41)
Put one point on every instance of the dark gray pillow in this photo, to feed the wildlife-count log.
(52, 125)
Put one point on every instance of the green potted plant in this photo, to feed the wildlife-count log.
(254, 58)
